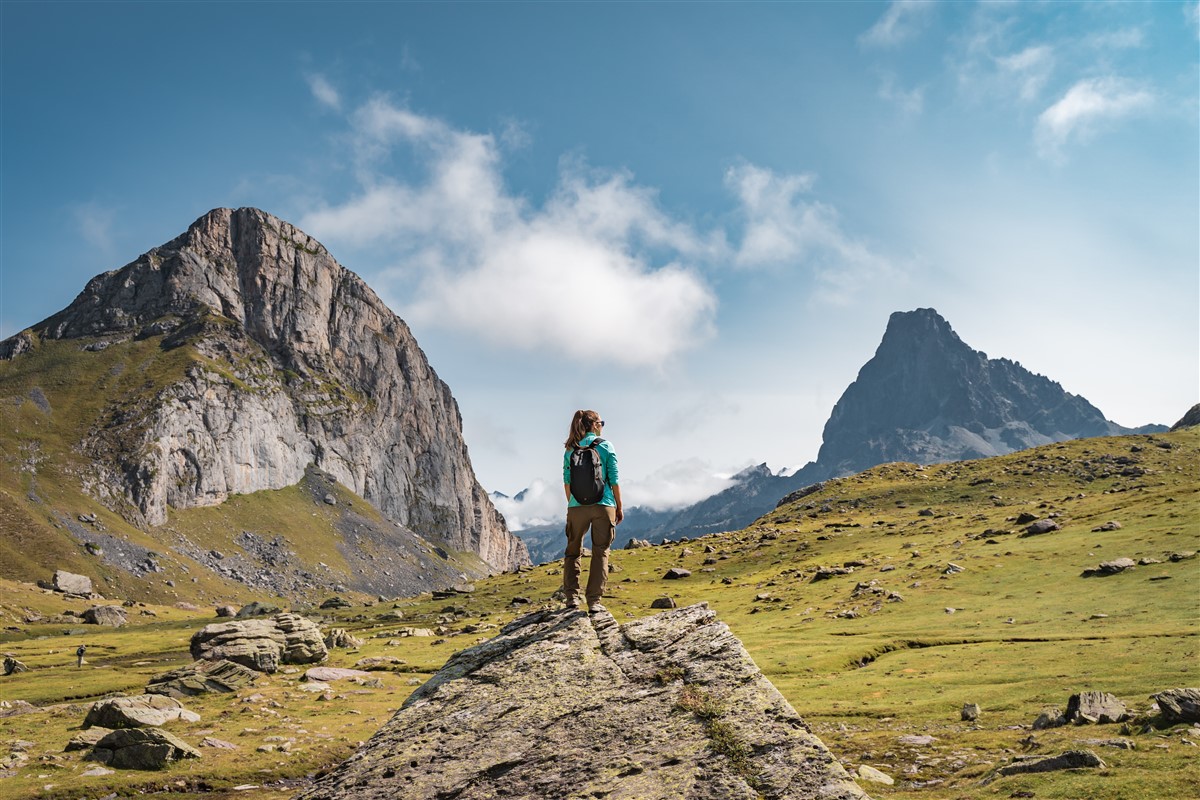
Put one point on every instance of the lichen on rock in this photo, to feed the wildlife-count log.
(558, 705)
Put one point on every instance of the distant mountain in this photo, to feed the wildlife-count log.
(1192, 417)
(925, 397)
(237, 358)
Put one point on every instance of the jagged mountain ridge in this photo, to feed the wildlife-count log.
(292, 361)
(925, 397)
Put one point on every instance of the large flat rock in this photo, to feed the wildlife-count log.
(669, 707)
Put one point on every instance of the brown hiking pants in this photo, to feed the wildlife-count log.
(603, 522)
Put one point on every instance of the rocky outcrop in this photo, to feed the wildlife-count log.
(201, 677)
(139, 711)
(113, 616)
(141, 748)
(560, 705)
(1179, 706)
(70, 583)
(282, 359)
(261, 644)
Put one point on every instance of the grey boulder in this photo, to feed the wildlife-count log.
(113, 616)
(70, 583)
(200, 677)
(1179, 705)
(141, 748)
(139, 711)
(261, 644)
(1095, 708)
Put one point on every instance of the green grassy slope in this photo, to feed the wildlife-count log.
(1027, 631)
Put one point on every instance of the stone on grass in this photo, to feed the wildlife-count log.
(1111, 525)
(917, 739)
(113, 616)
(200, 677)
(674, 573)
(1040, 526)
(663, 602)
(219, 744)
(725, 734)
(341, 638)
(970, 712)
(226, 611)
(868, 773)
(86, 739)
(1072, 759)
(1109, 568)
(825, 573)
(257, 609)
(336, 602)
(141, 748)
(1049, 718)
(634, 544)
(1179, 705)
(13, 666)
(1095, 708)
(332, 674)
(376, 663)
(70, 583)
(261, 644)
(138, 711)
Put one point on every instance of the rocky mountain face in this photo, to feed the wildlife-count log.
(925, 397)
(667, 707)
(289, 361)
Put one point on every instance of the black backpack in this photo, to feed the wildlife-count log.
(587, 474)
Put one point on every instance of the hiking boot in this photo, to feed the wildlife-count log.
(596, 607)
(572, 604)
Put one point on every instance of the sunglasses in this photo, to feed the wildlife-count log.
(601, 423)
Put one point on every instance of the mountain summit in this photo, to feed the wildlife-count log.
(927, 397)
(272, 359)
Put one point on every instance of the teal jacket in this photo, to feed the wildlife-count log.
(608, 458)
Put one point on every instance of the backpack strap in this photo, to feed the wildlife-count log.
(591, 446)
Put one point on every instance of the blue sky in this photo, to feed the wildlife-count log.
(694, 218)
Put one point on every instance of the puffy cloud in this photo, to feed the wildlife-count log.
(1085, 105)
(902, 20)
(781, 228)
(324, 92)
(490, 264)
(540, 504)
(678, 485)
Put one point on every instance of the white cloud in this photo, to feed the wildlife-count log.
(1124, 39)
(677, 485)
(324, 92)
(1028, 70)
(1191, 12)
(902, 20)
(95, 224)
(516, 276)
(781, 229)
(540, 504)
(1085, 105)
(910, 102)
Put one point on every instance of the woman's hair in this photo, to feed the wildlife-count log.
(581, 426)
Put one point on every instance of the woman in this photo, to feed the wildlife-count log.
(602, 515)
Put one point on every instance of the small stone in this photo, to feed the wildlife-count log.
(1111, 525)
(675, 573)
(970, 712)
(1041, 526)
(330, 500)
(663, 602)
(867, 773)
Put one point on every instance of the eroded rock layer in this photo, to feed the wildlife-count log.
(669, 707)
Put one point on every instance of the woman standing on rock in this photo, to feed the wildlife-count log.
(590, 482)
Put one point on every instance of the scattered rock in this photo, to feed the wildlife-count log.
(925, 512)
(375, 663)
(1175, 558)
(1040, 526)
(1109, 568)
(1024, 518)
(1179, 705)
(324, 674)
(634, 544)
(724, 729)
(330, 500)
(226, 611)
(86, 739)
(1120, 743)
(219, 744)
(13, 666)
(141, 748)
(113, 616)
(1049, 718)
(341, 638)
(1097, 708)
(138, 711)
(663, 602)
(96, 772)
(200, 677)
(825, 573)
(867, 773)
(70, 583)
(257, 609)
(261, 644)
(917, 739)
(953, 569)
(675, 573)
(1111, 525)
(336, 602)
(1072, 759)
(970, 712)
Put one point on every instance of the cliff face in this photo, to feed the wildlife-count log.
(291, 360)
